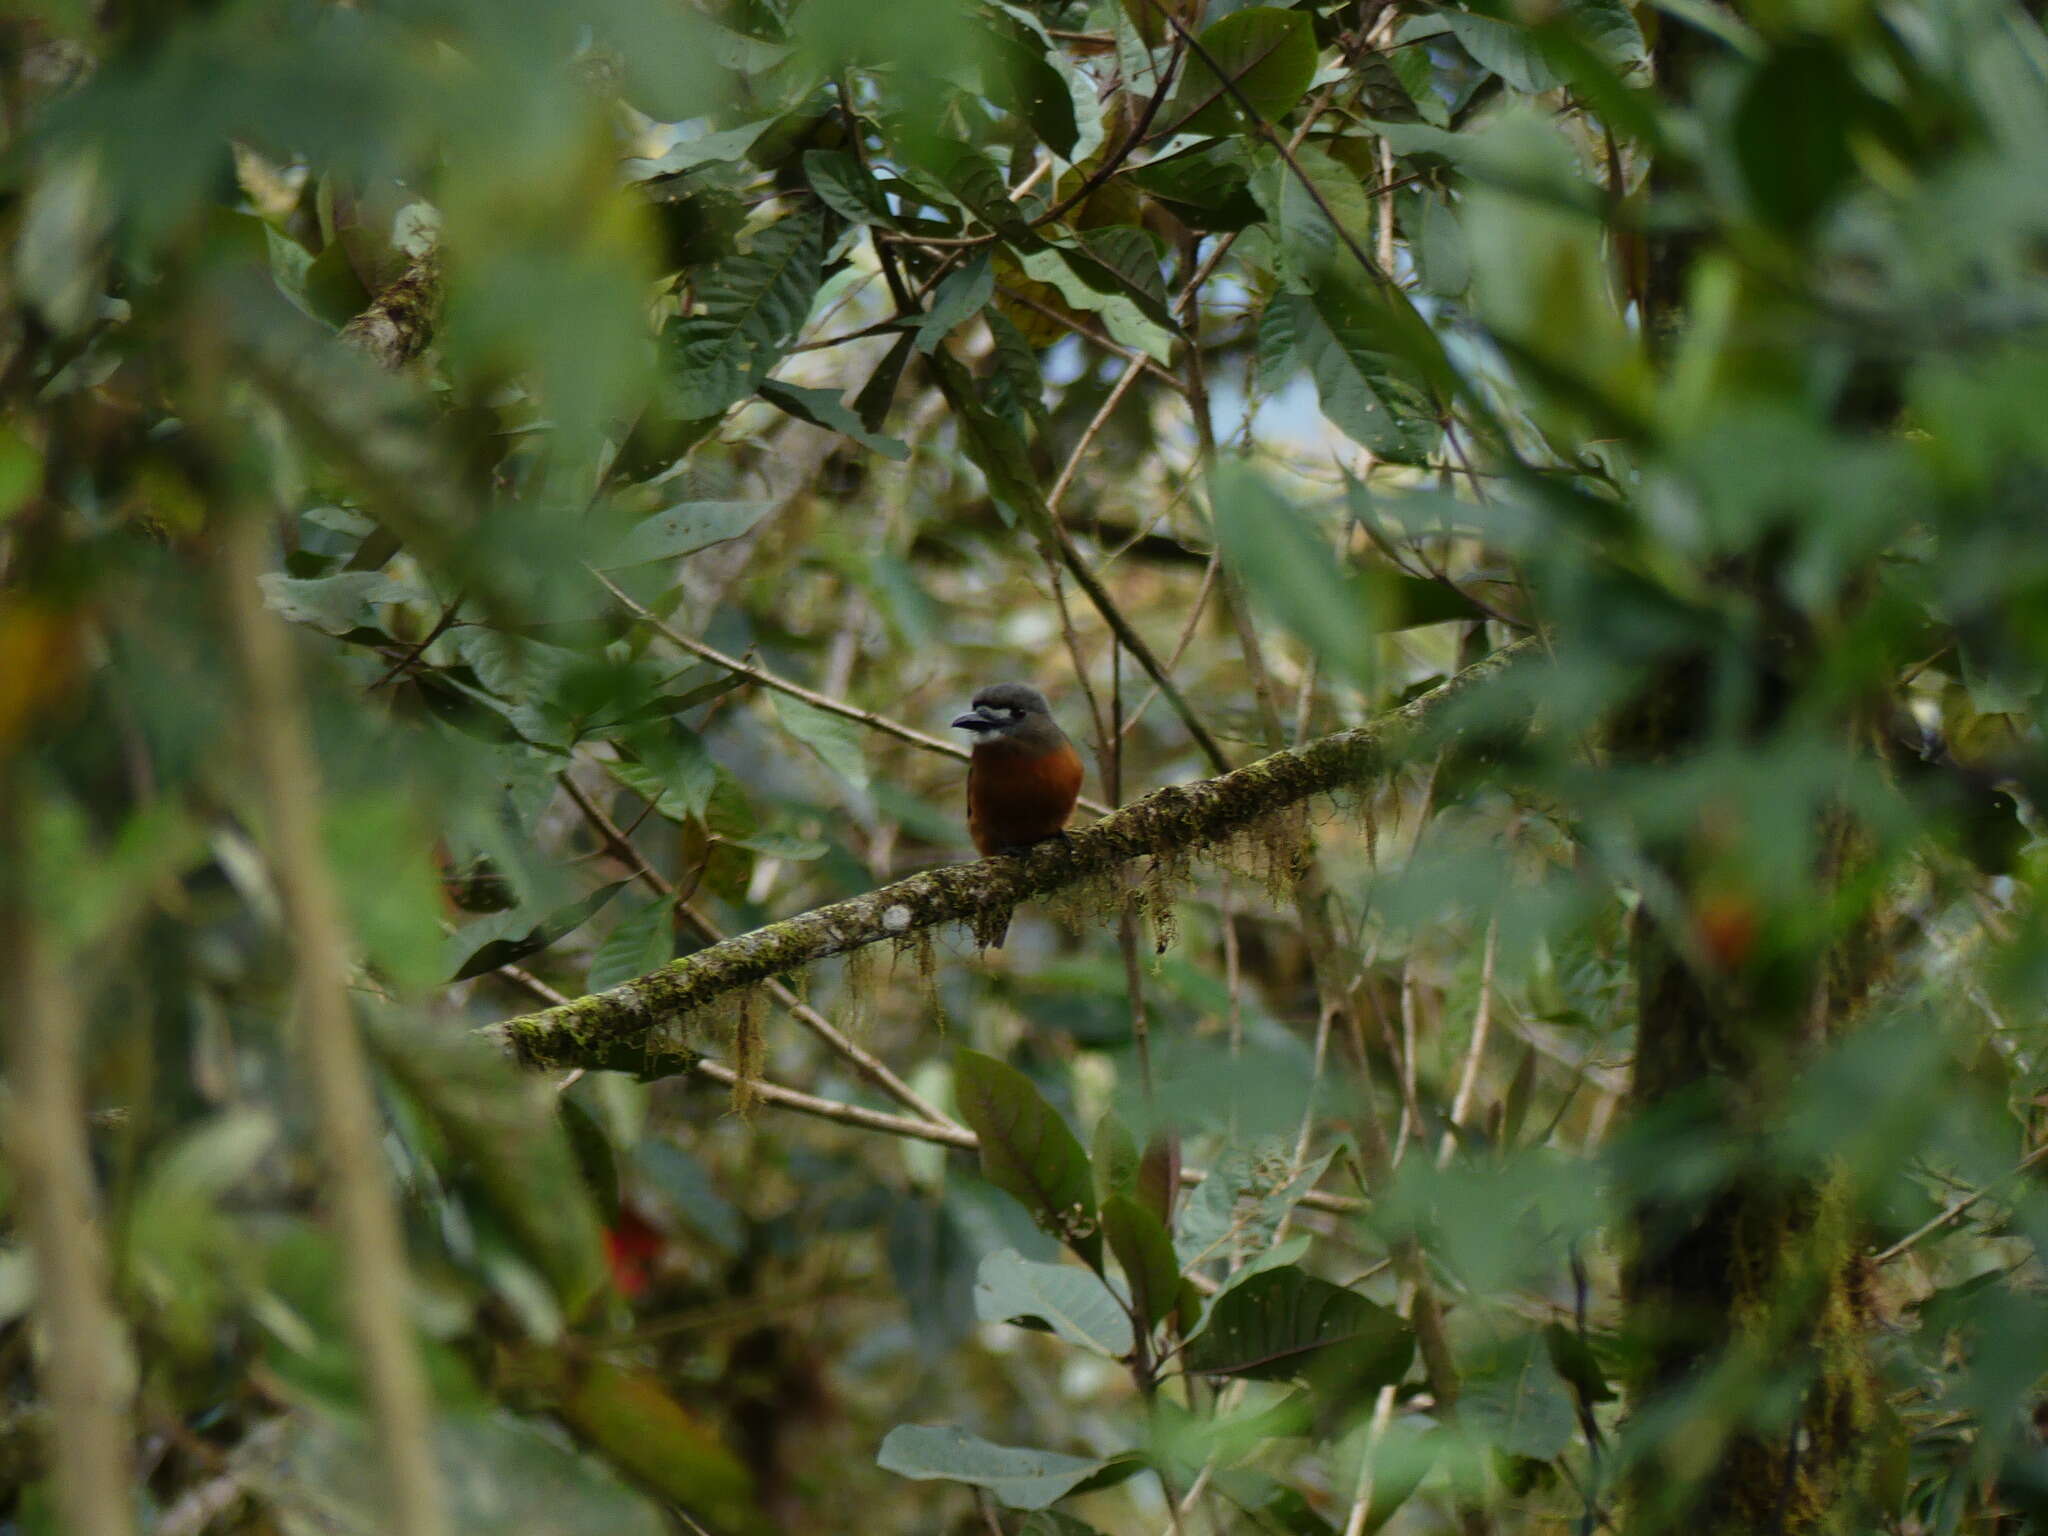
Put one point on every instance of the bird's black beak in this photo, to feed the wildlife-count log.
(975, 720)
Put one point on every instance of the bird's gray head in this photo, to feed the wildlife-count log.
(1007, 711)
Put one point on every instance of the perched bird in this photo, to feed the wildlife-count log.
(1023, 776)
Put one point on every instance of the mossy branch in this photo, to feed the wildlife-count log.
(630, 1027)
(400, 321)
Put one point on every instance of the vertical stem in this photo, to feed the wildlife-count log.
(372, 1246)
(1482, 1029)
(87, 1374)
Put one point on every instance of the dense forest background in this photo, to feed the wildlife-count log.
(1535, 510)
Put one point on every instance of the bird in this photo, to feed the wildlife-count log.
(1023, 776)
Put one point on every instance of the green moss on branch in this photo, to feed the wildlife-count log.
(637, 1025)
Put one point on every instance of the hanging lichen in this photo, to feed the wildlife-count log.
(858, 984)
(1168, 877)
(748, 1051)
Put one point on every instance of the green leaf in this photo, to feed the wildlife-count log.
(1028, 1151)
(1340, 334)
(670, 768)
(822, 408)
(334, 605)
(1290, 568)
(848, 188)
(21, 472)
(177, 1252)
(681, 530)
(1301, 200)
(309, 1474)
(627, 1413)
(1015, 388)
(1437, 241)
(1207, 186)
(1280, 1255)
(1521, 1404)
(748, 311)
(1074, 1303)
(1239, 1205)
(996, 444)
(963, 174)
(1267, 52)
(963, 295)
(642, 941)
(1019, 1478)
(1145, 1251)
(1133, 256)
(1506, 48)
(1280, 1322)
(500, 1123)
(835, 739)
(508, 937)
(1027, 78)
(1577, 1364)
(1115, 1155)
(1087, 283)
(1793, 128)
(1610, 29)
(714, 148)
(872, 404)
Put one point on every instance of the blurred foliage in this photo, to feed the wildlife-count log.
(1341, 344)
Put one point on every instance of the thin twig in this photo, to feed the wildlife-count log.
(1482, 1029)
(373, 1250)
(441, 626)
(1955, 1209)
(766, 679)
(1361, 1506)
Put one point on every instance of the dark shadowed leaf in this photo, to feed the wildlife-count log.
(1345, 338)
(1519, 1402)
(1027, 78)
(1792, 132)
(1028, 1151)
(1577, 1364)
(962, 296)
(509, 937)
(1145, 1251)
(748, 308)
(823, 408)
(1505, 47)
(1282, 1322)
(848, 188)
(1267, 53)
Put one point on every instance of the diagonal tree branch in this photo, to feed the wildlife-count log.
(630, 1027)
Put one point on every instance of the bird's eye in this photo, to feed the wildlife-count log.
(1013, 711)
